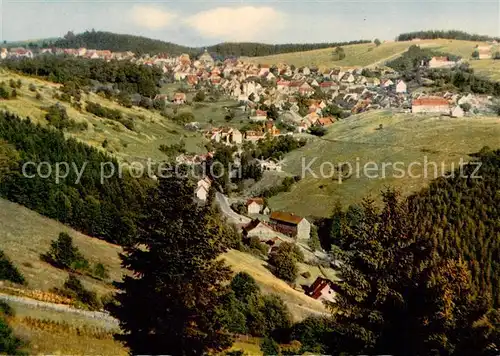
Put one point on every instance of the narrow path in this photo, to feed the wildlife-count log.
(101, 316)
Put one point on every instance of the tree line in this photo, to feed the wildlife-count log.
(451, 34)
(141, 45)
(108, 210)
(123, 75)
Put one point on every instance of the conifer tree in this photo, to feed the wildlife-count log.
(396, 295)
(169, 305)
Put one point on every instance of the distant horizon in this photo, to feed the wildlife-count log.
(257, 42)
(204, 23)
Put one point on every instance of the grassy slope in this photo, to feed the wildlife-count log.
(150, 133)
(43, 340)
(26, 234)
(362, 55)
(300, 305)
(405, 138)
(356, 55)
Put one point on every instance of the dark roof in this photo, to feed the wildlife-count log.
(289, 218)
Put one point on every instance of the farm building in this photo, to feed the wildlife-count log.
(291, 225)
(430, 105)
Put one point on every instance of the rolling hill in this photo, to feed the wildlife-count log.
(122, 42)
(403, 138)
(151, 129)
(368, 54)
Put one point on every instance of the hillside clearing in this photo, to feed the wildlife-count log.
(367, 54)
(300, 304)
(405, 138)
(151, 129)
(25, 235)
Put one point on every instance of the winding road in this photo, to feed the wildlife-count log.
(230, 214)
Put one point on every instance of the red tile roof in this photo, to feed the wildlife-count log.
(430, 102)
(318, 285)
(259, 201)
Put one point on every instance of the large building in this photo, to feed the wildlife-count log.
(291, 225)
(431, 105)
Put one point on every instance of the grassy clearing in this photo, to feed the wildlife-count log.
(404, 138)
(300, 304)
(362, 55)
(151, 129)
(356, 55)
(26, 234)
(45, 334)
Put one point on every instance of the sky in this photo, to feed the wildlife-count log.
(199, 22)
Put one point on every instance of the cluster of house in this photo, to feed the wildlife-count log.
(20, 52)
(285, 227)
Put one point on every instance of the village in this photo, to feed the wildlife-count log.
(301, 101)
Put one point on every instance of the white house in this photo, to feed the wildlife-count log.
(255, 205)
(401, 87)
(457, 111)
(201, 193)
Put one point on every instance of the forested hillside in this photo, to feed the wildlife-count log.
(452, 35)
(126, 76)
(249, 49)
(462, 217)
(107, 210)
(118, 42)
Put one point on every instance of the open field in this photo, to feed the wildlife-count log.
(151, 129)
(363, 55)
(356, 55)
(25, 235)
(300, 304)
(52, 332)
(405, 138)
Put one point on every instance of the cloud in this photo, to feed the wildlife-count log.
(247, 23)
(151, 17)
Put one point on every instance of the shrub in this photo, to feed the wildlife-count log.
(269, 347)
(32, 87)
(244, 286)
(9, 343)
(200, 96)
(38, 96)
(8, 271)
(314, 242)
(63, 254)
(285, 263)
(257, 246)
(73, 288)
(317, 131)
(4, 94)
(100, 271)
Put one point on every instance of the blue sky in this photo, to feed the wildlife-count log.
(198, 22)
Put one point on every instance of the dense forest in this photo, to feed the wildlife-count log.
(460, 216)
(141, 45)
(125, 76)
(248, 49)
(106, 210)
(119, 43)
(452, 35)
